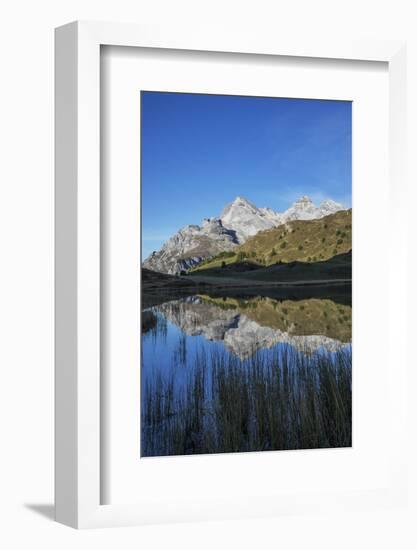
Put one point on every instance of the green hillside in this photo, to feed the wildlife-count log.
(338, 268)
(304, 241)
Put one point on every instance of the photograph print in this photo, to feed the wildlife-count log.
(246, 274)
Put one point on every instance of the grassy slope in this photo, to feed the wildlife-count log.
(337, 268)
(305, 241)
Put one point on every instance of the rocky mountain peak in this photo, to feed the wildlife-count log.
(304, 200)
(305, 209)
(245, 218)
(331, 205)
(241, 201)
(237, 205)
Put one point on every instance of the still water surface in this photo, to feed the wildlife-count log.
(245, 374)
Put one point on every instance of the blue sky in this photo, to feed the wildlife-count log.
(201, 151)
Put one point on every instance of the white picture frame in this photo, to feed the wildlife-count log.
(77, 363)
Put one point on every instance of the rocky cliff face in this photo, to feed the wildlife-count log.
(238, 221)
(190, 246)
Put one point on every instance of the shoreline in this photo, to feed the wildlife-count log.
(338, 290)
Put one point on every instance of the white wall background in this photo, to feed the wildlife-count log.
(26, 270)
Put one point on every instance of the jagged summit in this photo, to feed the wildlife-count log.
(238, 221)
(305, 209)
(245, 218)
(239, 199)
(329, 203)
(235, 205)
(305, 199)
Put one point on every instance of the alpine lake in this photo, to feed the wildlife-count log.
(249, 372)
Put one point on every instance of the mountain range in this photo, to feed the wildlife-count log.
(308, 241)
(239, 221)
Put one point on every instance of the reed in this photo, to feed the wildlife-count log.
(289, 399)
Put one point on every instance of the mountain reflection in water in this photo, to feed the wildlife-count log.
(245, 374)
(247, 325)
